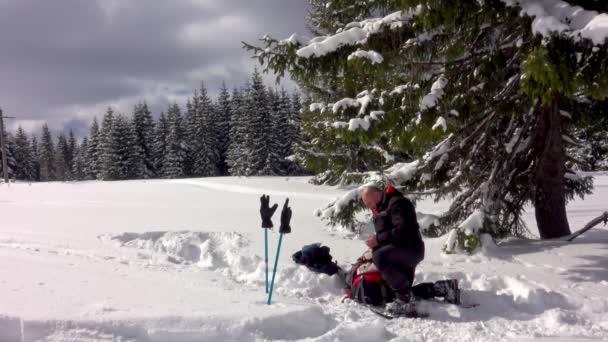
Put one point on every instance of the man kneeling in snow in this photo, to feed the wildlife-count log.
(397, 248)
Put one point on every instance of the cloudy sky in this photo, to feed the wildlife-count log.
(65, 61)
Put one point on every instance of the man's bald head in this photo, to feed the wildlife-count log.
(371, 196)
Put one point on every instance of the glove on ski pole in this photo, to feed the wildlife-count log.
(266, 214)
(284, 229)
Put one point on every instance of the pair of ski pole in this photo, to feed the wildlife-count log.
(266, 213)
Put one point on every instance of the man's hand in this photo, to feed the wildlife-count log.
(371, 241)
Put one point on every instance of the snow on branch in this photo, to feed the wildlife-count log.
(430, 100)
(354, 34)
(373, 56)
(440, 123)
(559, 16)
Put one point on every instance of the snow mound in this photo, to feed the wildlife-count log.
(223, 252)
(207, 250)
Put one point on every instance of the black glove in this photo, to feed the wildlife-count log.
(267, 212)
(285, 218)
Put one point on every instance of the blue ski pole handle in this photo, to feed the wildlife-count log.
(274, 272)
(266, 255)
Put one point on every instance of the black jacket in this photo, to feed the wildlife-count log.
(395, 222)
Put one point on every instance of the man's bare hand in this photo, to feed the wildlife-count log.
(371, 241)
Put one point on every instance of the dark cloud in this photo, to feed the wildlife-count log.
(65, 61)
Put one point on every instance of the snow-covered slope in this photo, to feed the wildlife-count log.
(183, 260)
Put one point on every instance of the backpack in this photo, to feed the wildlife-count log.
(367, 285)
(316, 258)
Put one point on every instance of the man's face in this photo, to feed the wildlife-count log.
(371, 198)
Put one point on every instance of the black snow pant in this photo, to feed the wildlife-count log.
(398, 266)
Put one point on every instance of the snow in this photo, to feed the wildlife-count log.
(295, 39)
(182, 260)
(344, 103)
(373, 56)
(354, 33)
(430, 100)
(316, 106)
(559, 16)
(440, 123)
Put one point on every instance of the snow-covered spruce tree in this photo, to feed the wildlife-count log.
(222, 128)
(91, 155)
(71, 150)
(295, 106)
(477, 91)
(161, 133)
(123, 151)
(275, 133)
(238, 149)
(80, 154)
(258, 125)
(143, 127)
(35, 158)
(24, 158)
(10, 157)
(47, 155)
(104, 150)
(284, 131)
(206, 148)
(173, 161)
(62, 151)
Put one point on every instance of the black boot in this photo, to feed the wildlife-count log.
(448, 289)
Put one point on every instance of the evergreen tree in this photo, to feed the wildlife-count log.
(478, 99)
(35, 159)
(11, 163)
(296, 134)
(258, 125)
(80, 157)
(190, 133)
(204, 140)
(104, 150)
(160, 143)
(123, 153)
(238, 148)
(91, 154)
(47, 156)
(24, 159)
(63, 171)
(71, 150)
(173, 162)
(143, 126)
(223, 129)
(276, 135)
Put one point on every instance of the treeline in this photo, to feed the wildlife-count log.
(250, 131)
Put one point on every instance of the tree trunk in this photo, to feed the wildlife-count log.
(549, 197)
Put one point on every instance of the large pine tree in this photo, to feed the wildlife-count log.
(143, 127)
(47, 155)
(104, 149)
(222, 129)
(258, 125)
(24, 158)
(480, 94)
(175, 153)
(91, 154)
(238, 147)
(123, 151)
(62, 159)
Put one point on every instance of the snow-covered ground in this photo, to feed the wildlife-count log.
(182, 260)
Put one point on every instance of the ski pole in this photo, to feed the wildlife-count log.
(266, 255)
(274, 272)
(284, 229)
(266, 213)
